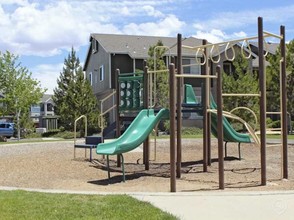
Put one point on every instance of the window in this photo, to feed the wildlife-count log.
(50, 107)
(194, 68)
(90, 78)
(227, 67)
(101, 73)
(35, 108)
(94, 45)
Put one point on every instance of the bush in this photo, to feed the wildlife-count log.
(51, 133)
(191, 131)
(67, 135)
(34, 135)
(3, 139)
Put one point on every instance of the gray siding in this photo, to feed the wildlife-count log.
(98, 59)
(123, 62)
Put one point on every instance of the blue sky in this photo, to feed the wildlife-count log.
(43, 32)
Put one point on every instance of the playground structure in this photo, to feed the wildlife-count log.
(176, 100)
(134, 92)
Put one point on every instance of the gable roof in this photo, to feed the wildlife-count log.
(271, 47)
(46, 98)
(137, 46)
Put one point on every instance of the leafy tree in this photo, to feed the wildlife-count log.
(19, 88)
(241, 81)
(290, 78)
(162, 85)
(73, 96)
(273, 81)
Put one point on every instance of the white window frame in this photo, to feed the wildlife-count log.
(91, 78)
(228, 65)
(101, 73)
(193, 66)
(94, 45)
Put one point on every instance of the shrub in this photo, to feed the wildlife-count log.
(191, 131)
(67, 135)
(51, 133)
(34, 135)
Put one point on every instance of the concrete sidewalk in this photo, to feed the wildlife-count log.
(224, 205)
(218, 205)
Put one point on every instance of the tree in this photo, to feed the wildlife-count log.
(73, 96)
(241, 81)
(19, 88)
(162, 85)
(273, 81)
(290, 78)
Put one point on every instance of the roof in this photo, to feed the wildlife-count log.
(137, 46)
(270, 47)
(46, 98)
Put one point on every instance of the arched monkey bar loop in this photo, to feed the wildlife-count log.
(211, 54)
(251, 111)
(204, 57)
(246, 43)
(226, 52)
(266, 47)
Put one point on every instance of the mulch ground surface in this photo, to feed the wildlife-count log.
(50, 165)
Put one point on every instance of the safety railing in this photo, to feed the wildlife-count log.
(101, 120)
(75, 131)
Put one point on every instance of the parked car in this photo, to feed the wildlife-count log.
(7, 130)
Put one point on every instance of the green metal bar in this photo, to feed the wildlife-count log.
(123, 167)
(108, 172)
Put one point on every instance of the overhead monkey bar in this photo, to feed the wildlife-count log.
(265, 35)
(215, 47)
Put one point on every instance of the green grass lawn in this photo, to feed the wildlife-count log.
(33, 205)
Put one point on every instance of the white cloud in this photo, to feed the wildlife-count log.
(216, 35)
(168, 26)
(47, 74)
(239, 19)
(32, 28)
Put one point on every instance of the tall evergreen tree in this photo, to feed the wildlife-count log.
(241, 81)
(162, 86)
(290, 78)
(273, 81)
(73, 96)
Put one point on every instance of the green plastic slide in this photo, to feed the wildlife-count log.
(230, 134)
(135, 134)
(190, 97)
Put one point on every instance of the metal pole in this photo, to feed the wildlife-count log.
(205, 114)
(208, 134)
(262, 103)
(179, 107)
(220, 135)
(117, 115)
(172, 116)
(284, 103)
(146, 105)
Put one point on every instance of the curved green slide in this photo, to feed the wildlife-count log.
(230, 134)
(134, 136)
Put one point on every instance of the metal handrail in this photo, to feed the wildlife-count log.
(75, 131)
(101, 121)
